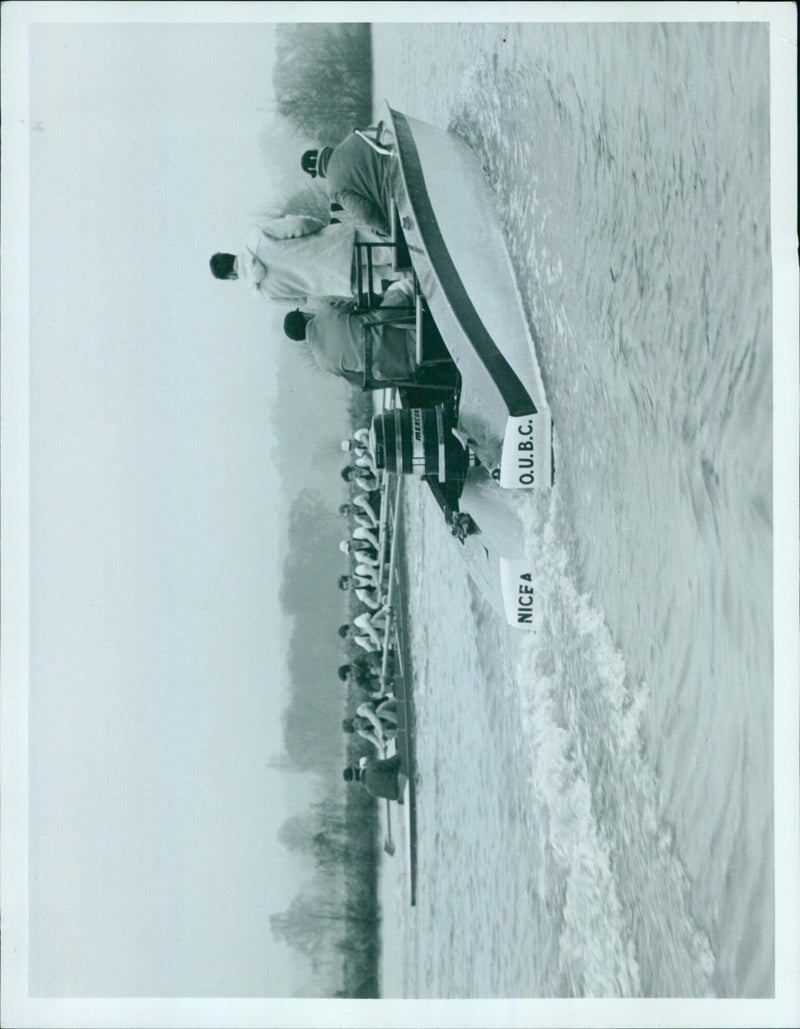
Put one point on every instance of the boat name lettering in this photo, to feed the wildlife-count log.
(524, 600)
(526, 478)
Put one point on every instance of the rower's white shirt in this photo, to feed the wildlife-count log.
(367, 572)
(365, 460)
(364, 622)
(367, 483)
(367, 597)
(360, 500)
(362, 533)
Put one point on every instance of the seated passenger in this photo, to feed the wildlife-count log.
(338, 337)
(358, 177)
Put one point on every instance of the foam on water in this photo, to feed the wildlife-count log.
(598, 798)
(581, 715)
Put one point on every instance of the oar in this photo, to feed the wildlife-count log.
(382, 528)
(390, 588)
(389, 846)
(383, 521)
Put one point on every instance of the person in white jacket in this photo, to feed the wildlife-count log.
(295, 258)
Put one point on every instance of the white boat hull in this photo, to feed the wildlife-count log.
(450, 225)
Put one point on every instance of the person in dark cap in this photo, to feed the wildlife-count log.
(381, 777)
(339, 337)
(358, 177)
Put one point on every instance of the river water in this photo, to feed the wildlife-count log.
(595, 804)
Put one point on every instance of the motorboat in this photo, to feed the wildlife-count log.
(490, 426)
(447, 215)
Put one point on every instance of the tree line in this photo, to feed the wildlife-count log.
(334, 920)
(322, 78)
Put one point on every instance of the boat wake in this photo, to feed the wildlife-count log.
(624, 897)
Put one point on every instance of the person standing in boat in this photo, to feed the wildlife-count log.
(357, 174)
(295, 258)
(338, 337)
(381, 777)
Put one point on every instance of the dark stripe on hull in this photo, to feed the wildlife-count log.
(513, 392)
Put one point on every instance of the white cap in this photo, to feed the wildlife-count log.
(344, 546)
(347, 445)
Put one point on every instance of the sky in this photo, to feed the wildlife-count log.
(156, 641)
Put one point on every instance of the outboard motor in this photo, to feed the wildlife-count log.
(420, 441)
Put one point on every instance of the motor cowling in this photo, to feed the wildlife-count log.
(420, 441)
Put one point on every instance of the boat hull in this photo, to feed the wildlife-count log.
(448, 218)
